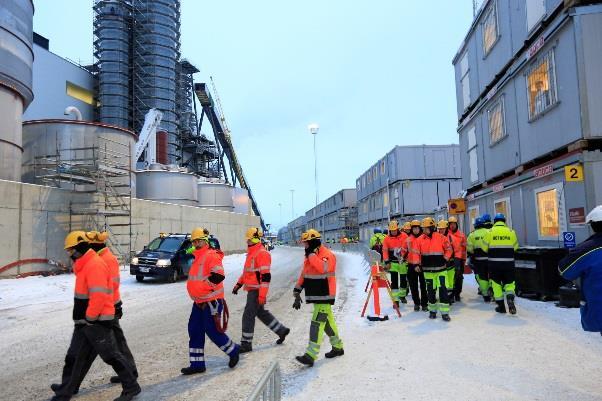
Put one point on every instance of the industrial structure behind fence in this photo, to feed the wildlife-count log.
(269, 387)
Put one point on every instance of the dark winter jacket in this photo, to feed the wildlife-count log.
(585, 263)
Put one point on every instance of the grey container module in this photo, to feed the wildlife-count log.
(537, 272)
(169, 186)
(16, 60)
(216, 196)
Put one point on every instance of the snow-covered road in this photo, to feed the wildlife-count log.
(540, 354)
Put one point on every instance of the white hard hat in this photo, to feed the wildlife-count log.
(595, 215)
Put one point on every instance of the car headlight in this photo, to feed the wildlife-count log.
(134, 261)
(163, 263)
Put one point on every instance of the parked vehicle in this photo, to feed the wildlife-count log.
(164, 257)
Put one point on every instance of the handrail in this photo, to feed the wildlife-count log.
(269, 387)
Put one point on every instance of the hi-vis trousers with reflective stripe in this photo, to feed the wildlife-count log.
(437, 291)
(253, 310)
(322, 321)
(201, 322)
(399, 280)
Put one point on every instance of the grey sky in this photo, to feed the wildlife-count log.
(372, 74)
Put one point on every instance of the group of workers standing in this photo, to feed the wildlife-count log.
(97, 306)
(430, 258)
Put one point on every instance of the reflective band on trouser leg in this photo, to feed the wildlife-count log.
(248, 316)
(431, 290)
(403, 280)
(450, 276)
(498, 292)
(316, 330)
(510, 288)
(394, 283)
(331, 330)
(442, 292)
(196, 333)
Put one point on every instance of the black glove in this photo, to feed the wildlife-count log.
(298, 301)
(236, 288)
(118, 311)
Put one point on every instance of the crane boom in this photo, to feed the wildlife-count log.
(148, 131)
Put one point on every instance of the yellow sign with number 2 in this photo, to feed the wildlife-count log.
(573, 172)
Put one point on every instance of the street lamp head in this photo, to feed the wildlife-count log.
(313, 128)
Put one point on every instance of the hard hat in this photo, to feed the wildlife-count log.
(479, 221)
(200, 234)
(95, 237)
(499, 217)
(393, 225)
(415, 223)
(595, 215)
(427, 222)
(310, 234)
(453, 219)
(254, 234)
(442, 224)
(486, 218)
(74, 238)
(407, 225)
(377, 231)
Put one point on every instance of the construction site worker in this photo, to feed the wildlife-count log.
(458, 242)
(450, 271)
(435, 251)
(584, 264)
(393, 249)
(487, 221)
(500, 243)
(478, 258)
(318, 279)
(407, 228)
(376, 242)
(209, 310)
(256, 279)
(93, 314)
(415, 275)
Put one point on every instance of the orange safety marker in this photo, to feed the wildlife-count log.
(378, 279)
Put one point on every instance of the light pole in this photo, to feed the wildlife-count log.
(313, 129)
(280, 206)
(292, 204)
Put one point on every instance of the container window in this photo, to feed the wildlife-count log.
(541, 85)
(497, 129)
(490, 29)
(385, 199)
(79, 93)
(536, 9)
(549, 205)
(473, 213)
(465, 80)
(503, 206)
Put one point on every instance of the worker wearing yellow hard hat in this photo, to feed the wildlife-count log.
(394, 249)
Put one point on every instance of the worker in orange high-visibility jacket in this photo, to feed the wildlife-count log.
(458, 242)
(393, 250)
(93, 314)
(256, 279)
(415, 276)
(435, 251)
(206, 289)
(318, 280)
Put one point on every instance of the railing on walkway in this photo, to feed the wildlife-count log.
(269, 387)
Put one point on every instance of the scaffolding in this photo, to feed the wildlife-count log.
(103, 172)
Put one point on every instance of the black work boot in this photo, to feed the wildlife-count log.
(245, 347)
(282, 336)
(511, 306)
(129, 394)
(501, 306)
(432, 315)
(233, 360)
(446, 317)
(425, 308)
(56, 387)
(416, 308)
(486, 298)
(191, 371)
(333, 353)
(306, 360)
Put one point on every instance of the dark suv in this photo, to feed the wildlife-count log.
(165, 257)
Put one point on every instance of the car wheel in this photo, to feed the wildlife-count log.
(139, 278)
(173, 277)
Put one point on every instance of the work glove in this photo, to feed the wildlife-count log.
(417, 269)
(118, 311)
(298, 301)
(262, 300)
(236, 288)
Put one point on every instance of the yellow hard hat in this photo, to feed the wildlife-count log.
(427, 222)
(453, 219)
(254, 234)
(393, 225)
(74, 238)
(407, 225)
(200, 234)
(310, 234)
(95, 237)
(415, 223)
(442, 224)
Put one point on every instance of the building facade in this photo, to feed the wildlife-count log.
(336, 217)
(408, 182)
(529, 95)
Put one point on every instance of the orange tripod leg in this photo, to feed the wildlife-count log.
(367, 300)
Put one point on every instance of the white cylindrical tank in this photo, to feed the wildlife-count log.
(216, 196)
(170, 186)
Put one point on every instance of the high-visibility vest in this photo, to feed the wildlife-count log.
(474, 244)
(111, 261)
(394, 247)
(93, 298)
(200, 289)
(412, 250)
(458, 243)
(500, 243)
(257, 265)
(318, 277)
(435, 251)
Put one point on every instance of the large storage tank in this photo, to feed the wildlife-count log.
(59, 147)
(161, 184)
(216, 196)
(16, 60)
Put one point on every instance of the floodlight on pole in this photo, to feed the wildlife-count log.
(313, 129)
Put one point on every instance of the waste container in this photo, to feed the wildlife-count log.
(537, 272)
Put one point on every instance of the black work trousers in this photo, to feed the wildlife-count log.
(418, 296)
(459, 276)
(254, 310)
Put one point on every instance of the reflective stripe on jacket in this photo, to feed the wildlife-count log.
(394, 247)
(458, 243)
(435, 251)
(256, 266)
(200, 289)
(111, 261)
(93, 298)
(412, 250)
(474, 244)
(318, 277)
(500, 243)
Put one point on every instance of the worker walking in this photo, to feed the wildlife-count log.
(458, 242)
(415, 275)
(450, 271)
(93, 314)
(393, 249)
(435, 251)
(209, 313)
(376, 242)
(500, 244)
(478, 257)
(318, 279)
(256, 279)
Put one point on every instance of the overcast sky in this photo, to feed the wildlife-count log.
(372, 74)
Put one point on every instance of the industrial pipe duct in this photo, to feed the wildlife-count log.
(74, 110)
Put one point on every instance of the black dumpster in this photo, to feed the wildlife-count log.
(537, 272)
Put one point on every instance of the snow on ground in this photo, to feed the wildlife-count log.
(540, 354)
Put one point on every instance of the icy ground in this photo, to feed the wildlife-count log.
(540, 354)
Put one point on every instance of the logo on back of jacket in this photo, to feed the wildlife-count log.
(501, 238)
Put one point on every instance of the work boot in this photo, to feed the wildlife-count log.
(403, 300)
(511, 306)
(486, 298)
(56, 387)
(334, 352)
(128, 395)
(282, 336)
(191, 371)
(446, 317)
(306, 360)
(432, 315)
(60, 398)
(233, 360)
(416, 308)
(425, 308)
(245, 347)
(501, 307)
